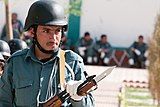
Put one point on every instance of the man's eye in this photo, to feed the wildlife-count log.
(45, 31)
(58, 30)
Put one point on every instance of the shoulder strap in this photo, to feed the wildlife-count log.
(62, 67)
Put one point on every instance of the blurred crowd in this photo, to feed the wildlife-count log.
(93, 52)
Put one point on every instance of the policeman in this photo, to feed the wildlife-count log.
(16, 44)
(138, 53)
(4, 54)
(85, 48)
(4, 49)
(32, 76)
(2, 62)
(103, 50)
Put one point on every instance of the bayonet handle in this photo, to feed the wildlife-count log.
(83, 90)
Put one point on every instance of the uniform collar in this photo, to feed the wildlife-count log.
(31, 54)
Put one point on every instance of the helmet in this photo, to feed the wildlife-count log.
(45, 12)
(2, 63)
(4, 48)
(17, 44)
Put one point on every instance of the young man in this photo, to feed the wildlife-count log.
(32, 76)
(138, 53)
(103, 50)
(17, 44)
(85, 48)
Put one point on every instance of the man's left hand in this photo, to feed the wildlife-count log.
(71, 88)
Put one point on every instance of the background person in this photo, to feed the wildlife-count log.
(138, 53)
(2, 62)
(4, 54)
(17, 28)
(85, 48)
(5, 49)
(103, 50)
(17, 44)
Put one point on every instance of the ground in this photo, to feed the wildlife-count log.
(107, 93)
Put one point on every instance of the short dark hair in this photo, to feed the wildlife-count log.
(103, 35)
(86, 33)
(140, 36)
(14, 13)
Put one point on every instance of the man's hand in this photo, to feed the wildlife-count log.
(146, 54)
(137, 51)
(71, 88)
(81, 50)
(102, 55)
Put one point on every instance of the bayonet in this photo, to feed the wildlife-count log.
(92, 81)
(104, 74)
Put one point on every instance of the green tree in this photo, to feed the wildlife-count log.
(75, 7)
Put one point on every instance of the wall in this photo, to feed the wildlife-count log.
(121, 20)
(21, 7)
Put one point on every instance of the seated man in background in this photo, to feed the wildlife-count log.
(2, 62)
(103, 51)
(85, 48)
(138, 53)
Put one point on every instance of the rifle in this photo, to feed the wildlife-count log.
(82, 89)
(57, 100)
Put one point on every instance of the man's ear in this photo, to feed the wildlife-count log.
(31, 32)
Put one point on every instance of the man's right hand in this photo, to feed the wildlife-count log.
(71, 88)
(137, 52)
(81, 50)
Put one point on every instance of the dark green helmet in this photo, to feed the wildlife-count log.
(17, 44)
(45, 12)
(4, 48)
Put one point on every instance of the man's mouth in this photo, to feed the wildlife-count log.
(52, 43)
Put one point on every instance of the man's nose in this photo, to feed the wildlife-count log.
(52, 36)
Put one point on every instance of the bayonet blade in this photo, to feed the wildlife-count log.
(104, 74)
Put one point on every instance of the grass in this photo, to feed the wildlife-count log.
(140, 104)
(131, 89)
(128, 96)
(137, 97)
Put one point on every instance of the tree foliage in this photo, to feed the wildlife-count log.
(154, 58)
(75, 7)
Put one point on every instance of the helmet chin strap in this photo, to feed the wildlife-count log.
(41, 48)
(35, 41)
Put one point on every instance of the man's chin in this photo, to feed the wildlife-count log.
(53, 49)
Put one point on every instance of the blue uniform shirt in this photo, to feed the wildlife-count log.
(26, 79)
